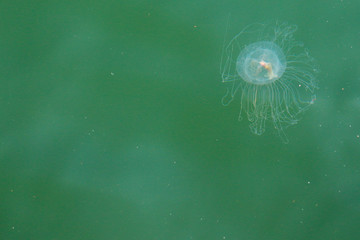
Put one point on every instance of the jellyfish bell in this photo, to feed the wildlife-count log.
(272, 73)
(261, 63)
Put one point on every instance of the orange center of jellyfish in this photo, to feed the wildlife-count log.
(268, 68)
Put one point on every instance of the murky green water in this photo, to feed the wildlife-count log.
(112, 125)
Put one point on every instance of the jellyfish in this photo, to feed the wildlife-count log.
(273, 74)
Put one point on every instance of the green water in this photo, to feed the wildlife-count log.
(112, 125)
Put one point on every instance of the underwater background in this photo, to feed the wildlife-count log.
(112, 125)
